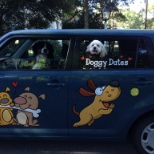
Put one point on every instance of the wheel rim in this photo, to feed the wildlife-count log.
(147, 139)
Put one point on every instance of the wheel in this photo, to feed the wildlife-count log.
(142, 136)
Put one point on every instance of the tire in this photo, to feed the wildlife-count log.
(142, 136)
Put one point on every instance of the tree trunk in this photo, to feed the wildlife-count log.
(86, 19)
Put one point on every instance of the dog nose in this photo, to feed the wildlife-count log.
(94, 49)
(20, 100)
(4, 100)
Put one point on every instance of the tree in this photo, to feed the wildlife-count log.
(150, 16)
(101, 4)
(86, 17)
(132, 20)
(136, 20)
(94, 17)
(30, 13)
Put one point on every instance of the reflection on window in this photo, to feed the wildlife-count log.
(34, 54)
(11, 48)
(143, 56)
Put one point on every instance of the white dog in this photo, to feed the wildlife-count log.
(96, 47)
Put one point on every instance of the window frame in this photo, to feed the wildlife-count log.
(29, 43)
(79, 39)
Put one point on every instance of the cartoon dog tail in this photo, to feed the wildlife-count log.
(74, 110)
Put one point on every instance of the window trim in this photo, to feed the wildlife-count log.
(76, 56)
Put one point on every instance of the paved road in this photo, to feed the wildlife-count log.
(64, 147)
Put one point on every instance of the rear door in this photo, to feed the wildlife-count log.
(108, 92)
(34, 79)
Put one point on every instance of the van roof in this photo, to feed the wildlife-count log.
(82, 32)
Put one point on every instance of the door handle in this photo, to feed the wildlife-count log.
(56, 84)
(143, 81)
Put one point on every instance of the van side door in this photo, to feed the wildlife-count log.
(109, 87)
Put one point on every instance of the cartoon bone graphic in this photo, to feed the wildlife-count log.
(100, 105)
(34, 112)
(27, 105)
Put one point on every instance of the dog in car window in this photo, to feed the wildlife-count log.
(96, 47)
(96, 52)
(44, 53)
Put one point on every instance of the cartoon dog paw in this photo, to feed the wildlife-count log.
(111, 106)
(90, 123)
(75, 125)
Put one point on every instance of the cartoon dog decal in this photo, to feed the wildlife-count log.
(100, 105)
(6, 115)
(27, 103)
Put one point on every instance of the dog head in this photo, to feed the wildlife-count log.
(28, 100)
(103, 94)
(111, 92)
(44, 48)
(5, 98)
(96, 47)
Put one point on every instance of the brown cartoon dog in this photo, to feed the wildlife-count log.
(6, 115)
(28, 104)
(100, 105)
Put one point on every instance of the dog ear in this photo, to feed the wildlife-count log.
(42, 96)
(27, 89)
(103, 51)
(7, 89)
(91, 85)
(83, 92)
(88, 48)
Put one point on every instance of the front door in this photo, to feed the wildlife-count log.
(34, 87)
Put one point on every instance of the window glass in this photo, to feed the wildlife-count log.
(34, 54)
(143, 59)
(112, 54)
(11, 47)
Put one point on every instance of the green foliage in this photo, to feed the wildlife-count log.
(95, 14)
(57, 45)
(150, 23)
(131, 20)
(119, 17)
(94, 22)
(150, 20)
(31, 13)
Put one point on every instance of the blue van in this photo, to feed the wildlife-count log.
(78, 84)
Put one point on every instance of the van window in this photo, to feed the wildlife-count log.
(11, 47)
(34, 54)
(113, 54)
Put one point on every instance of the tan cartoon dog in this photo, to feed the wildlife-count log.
(100, 105)
(6, 115)
(28, 105)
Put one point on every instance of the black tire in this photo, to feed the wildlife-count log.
(142, 136)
